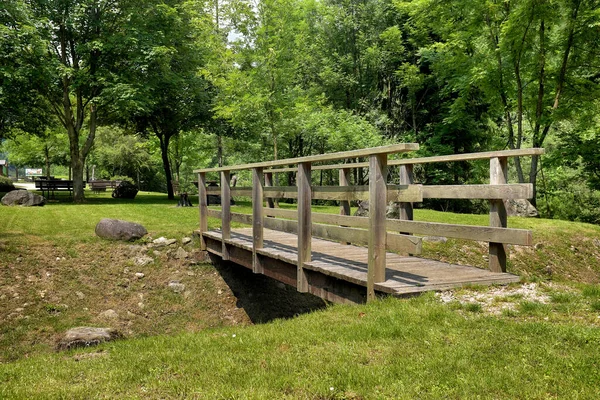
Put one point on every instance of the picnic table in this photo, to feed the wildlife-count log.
(52, 185)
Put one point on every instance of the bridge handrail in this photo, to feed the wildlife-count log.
(345, 228)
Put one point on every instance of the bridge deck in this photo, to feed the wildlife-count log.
(404, 275)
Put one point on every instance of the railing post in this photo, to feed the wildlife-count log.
(257, 218)
(497, 251)
(203, 207)
(345, 181)
(406, 178)
(269, 182)
(377, 231)
(304, 223)
(225, 213)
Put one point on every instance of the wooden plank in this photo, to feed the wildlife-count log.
(488, 192)
(404, 244)
(435, 159)
(412, 193)
(394, 148)
(241, 192)
(377, 232)
(257, 219)
(269, 182)
(203, 208)
(498, 216)
(281, 225)
(281, 213)
(242, 218)
(519, 237)
(304, 223)
(225, 211)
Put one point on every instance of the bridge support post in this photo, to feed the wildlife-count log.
(269, 182)
(203, 208)
(377, 215)
(257, 218)
(406, 178)
(304, 223)
(345, 181)
(225, 213)
(498, 218)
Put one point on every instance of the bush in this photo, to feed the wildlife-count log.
(6, 185)
(123, 179)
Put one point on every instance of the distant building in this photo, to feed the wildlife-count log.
(3, 167)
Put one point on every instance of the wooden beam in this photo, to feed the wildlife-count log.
(426, 160)
(214, 213)
(241, 218)
(269, 182)
(498, 217)
(406, 178)
(203, 208)
(344, 178)
(411, 193)
(257, 219)
(394, 148)
(519, 237)
(377, 232)
(225, 211)
(486, 192)
(304, 223)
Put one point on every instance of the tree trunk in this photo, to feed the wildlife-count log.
(47, 161)
(164, 150)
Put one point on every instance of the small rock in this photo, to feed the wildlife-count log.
(109, 314)
(176, 286)
(143, 261)
(186, 240)
(141, 305)
(86, 336)
(125, 270)
(162, 241)
(20, 309)
(80, 295)
(220, 291)
(19, 259)
(57, 258)
(139, 275)
(435, 239)
(280, 285)
(156, 253)
(573, 249)
(538, 246)
(180, 254)
(548, 270)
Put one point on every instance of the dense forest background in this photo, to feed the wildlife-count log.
(152, 90)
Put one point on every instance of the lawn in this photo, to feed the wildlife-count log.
(213, 342)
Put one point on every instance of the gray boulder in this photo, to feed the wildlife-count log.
(116, 229)
(520, 208)
(84, 336)
(23, 198)
(392, 210)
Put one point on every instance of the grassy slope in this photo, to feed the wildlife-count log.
(389, 349)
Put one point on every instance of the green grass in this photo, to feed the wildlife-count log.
(411, 348)
(390, 349)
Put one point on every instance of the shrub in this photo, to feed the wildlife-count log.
(6, 185)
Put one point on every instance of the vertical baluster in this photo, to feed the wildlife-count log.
(225, 212)
(377, 231)
(257, 218)
(345, 181)
(406, 178)
(269, 182)
(498, 218)
(203, 207)
(304, 223)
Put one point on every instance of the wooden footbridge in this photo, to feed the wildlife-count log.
(343, 258)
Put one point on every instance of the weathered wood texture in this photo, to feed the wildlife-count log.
(258, 219)
(269, 182)
(394, 148)
(486, 155)
(404, 275)
(225, 210)
(498, 216)
(377, 230)
(203, 208)
(304, 223)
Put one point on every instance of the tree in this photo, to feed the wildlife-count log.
(161, 90)
(81, 36)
